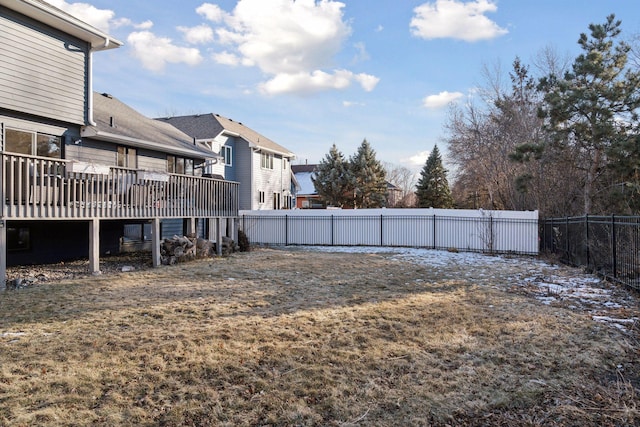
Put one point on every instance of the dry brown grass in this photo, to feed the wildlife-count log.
(279, 338)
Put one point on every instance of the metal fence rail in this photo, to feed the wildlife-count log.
(474, 234)
(607, 245)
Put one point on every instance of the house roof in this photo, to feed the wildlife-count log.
(303, 174)
(303, 168)
(46, 13)
(117, 122)
(209, 126)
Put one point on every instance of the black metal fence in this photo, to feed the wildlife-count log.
(607, 245)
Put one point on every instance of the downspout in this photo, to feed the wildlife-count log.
(90, 84)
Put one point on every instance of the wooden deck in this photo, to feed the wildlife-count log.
(42, 188)
(45, 189)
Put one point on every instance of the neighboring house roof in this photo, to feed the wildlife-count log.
(117, 122)
(303, 174)
(46, 13)
(208, 126)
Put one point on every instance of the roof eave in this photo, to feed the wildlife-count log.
(56, 18)
(92, 132)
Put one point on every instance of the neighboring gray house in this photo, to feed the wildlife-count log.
(77, 167)
(261, 166)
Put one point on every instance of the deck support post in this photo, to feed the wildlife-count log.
(219, 236)
(211, 224)
(192, 227)
(3, 254)
(94, 246)
(155, 241)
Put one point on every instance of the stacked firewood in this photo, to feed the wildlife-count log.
(182, 248)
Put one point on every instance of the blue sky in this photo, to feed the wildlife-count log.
(308, 74)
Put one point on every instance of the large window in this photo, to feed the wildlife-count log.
(32, 143)
(180, 165)
(266, 160)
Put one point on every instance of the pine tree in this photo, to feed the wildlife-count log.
(433, 189)
(368, 178)
(331, 179)
(591, 110)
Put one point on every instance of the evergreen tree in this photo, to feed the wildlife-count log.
(433, 189)
(591, 110)
(331, 179)
(368, 178)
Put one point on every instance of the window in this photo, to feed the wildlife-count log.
(225, 151)
(276, 201)
(266, 160)
(127, 157)
(32, 143)
(180, 165)
(260, 196)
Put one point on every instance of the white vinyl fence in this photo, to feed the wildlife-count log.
(463, 230)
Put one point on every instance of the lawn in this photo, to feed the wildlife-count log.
(279, 337)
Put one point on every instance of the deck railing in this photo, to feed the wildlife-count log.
(44, 188)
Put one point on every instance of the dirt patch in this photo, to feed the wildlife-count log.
(302, 337)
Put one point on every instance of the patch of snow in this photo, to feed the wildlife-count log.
(550, 284)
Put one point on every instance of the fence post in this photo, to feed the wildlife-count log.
(332, 232)
(434, 232)
(286, 230)
(491, 237)
(614, 247)
(566, 246)
(586, 233)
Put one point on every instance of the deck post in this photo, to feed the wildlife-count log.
(219, 236)
(3, 254)
(94, 246)
(192, 227)
(155, 241)
(210, 229)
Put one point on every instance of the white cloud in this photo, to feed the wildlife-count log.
(197, 35)
(292, 41)
(304, 83)
(348, 104)
(455, 19)
(418, 159)
(362, 54)
(99, 18)
(441, 100)
(367, 81)
(211, 12)
(155, 52)
(227, 58)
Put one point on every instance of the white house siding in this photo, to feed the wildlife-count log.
(43, 70)
(228, 172)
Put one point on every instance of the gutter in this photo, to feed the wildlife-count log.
(61, 20)
(92, 132)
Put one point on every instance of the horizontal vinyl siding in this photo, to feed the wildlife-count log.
(43, 71)
(96, 152)
(151, 161)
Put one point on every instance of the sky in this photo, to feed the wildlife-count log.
(308, 74)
